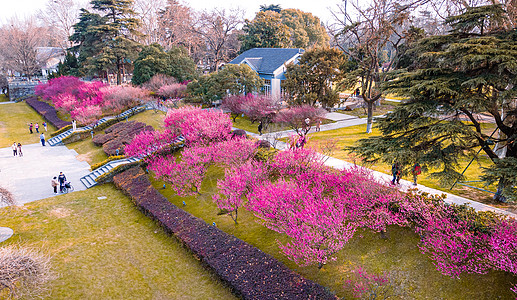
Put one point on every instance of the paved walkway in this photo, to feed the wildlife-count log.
(5, 233)
(381, 177)
(28, 177)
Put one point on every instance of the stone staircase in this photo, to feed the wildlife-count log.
(58, 139)
(89, 179)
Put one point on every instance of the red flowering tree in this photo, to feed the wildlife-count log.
(117, 99)
(234, 104)
(198, 126)
(173, 91)
(296, 117)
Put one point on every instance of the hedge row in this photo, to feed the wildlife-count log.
(251, 273)
(61, 130)
(48, 112)
(107, 160)
(118, 136)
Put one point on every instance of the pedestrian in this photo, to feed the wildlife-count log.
(54, 184)
(30, 128)
(37, 127)
(260, 128)
(42, 138)
(74, 125)
(15, 149)
(61, 179)
(307, 123)
(396, 171)
(20, 153)
(417, 169)
(318, 124)
(45, 126)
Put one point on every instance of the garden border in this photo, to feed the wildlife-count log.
(251, 273)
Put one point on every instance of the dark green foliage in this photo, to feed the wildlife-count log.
(311, 79)
(455, 77)
(265, 31)
(68, 67)
(274, 27)
(232, 79)
(105, 39)
(272, 7)
(154, 60)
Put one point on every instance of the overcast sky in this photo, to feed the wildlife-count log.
(23, 8)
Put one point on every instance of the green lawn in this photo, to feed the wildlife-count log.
(107, 249)
(384, 108)
(14, 120)
(88, 152)
(3, 98)
(399, 254)
(150, 117)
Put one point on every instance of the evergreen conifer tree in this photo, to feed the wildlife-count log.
(454, 81)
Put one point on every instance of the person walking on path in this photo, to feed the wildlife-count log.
(417, 169)
(318, 124)
(37, 127)
(42, 138)
(396, 171)
(15, 149)
(74, 125)
(45, 126)
(260, 128)
(307, 124)
(20, 153)
(54, 184)
(30, 128)
(61, 179)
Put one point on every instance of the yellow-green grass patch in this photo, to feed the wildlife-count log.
(14, 124)
(108, 249)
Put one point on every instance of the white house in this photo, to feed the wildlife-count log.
(49, 58)
(270, 64)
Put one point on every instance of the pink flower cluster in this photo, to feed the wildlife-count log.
(88, 101)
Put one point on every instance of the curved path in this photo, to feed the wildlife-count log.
(28, 177)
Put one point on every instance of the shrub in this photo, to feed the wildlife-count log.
(24, 272)
(174, 91)
(251, 273)
(48, 112)
(119, 135)
(102, 163)
(61, 130)
(157, 81)
(6, 198)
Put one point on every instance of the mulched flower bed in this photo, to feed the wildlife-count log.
(251, 273)
(48, 112)
(118, 136)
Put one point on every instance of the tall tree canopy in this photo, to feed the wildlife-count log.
(154, 60)
(312, 78)
(283, 29)
(456, 77)
(105, 38)
(232, 79)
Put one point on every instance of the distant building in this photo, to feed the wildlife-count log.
(270, 64)
(49, 58)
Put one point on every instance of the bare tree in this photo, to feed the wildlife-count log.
(365, 35)
(61, 15)
(148, 12)
(18, 46)
(176, 23)
(218, 30)
(24, 272)
(6, 197)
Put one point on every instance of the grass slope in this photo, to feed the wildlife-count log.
(14, 120)
(107, 249)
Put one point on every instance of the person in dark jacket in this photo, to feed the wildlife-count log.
(62, 179)
(396, 171)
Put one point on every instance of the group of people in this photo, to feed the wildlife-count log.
(59, 181)
(17, 149)
(36, 126)
(42, 135)
(396, 171)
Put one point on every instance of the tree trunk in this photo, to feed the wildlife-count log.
(500, 189)
(369, 121)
